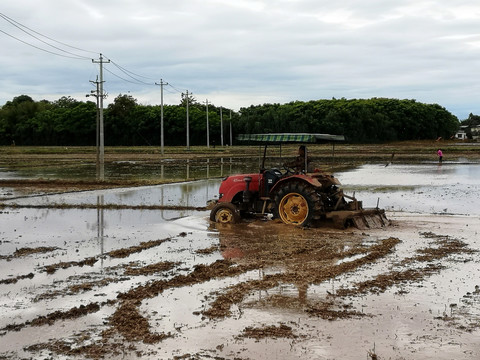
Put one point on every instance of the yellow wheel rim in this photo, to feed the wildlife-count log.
(224, 216)
(293, 209)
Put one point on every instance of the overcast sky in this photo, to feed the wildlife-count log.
(238, 53)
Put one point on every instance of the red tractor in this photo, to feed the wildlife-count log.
(295, 196)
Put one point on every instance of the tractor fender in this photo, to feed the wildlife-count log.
(299, 177)
(233, 185)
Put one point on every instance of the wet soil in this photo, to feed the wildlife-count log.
(255, 290)
(303, 257)
(31, 187)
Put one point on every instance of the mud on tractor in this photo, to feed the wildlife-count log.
(296, 197)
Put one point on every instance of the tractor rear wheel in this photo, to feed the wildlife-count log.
(225, 213)
(297, 204)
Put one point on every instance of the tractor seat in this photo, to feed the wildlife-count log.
(271, 177)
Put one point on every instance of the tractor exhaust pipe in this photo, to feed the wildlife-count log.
(247, 194)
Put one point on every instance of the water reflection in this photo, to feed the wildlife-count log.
(425, 188)
(100, 227)
(185, 194)
(168, 169)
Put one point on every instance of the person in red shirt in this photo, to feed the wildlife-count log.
(440, 155)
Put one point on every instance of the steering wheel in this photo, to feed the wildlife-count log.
(288, 169)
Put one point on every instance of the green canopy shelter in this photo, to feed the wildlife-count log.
(288, 138)
(282, 138)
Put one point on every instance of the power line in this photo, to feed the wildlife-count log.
(177, 90)
(126, 72)
(47, 51)
(137, 82)
(13, 22)
(130, 72)
(67, 54)
(172, 92)
(23, 27)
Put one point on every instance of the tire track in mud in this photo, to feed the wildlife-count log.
(17, 278)
(28, 251)
(126, 319)
(133, 326)
(118, 254)
(464, 316)
(443, 246)
(235, 294)
(128, 322)
(91, 307)
(130, 270)
(21, 253)
(49, 319)
(50, 269)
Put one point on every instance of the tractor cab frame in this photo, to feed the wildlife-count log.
(296, 197)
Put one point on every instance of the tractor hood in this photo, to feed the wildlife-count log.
(235, 184)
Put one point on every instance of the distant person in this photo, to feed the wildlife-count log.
(299, 162)
(440, 155)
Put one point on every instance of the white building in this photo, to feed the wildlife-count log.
(461, 133)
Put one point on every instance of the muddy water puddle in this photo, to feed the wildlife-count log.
(446, 188)
(176, 169)
(80, 283)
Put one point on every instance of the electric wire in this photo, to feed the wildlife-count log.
(128, 73)
(126, 80)
(174, 88)
(133, 76)
(45, 50)
(21, 28)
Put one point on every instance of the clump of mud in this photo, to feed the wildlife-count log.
(15, 279)
(150, 269)
(50, 269)
(272, 331)
(128, 321)
(208, 251)
(28, 251)
(50, 319)
(328, 310)
(125, 252)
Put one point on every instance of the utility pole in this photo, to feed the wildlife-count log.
(96, 93)
(188, 126)
(221, 127)
(231, 128)
(161, 113)
(101, 133)
(208, 132)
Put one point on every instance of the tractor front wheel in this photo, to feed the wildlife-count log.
(225, 213)
(296, 204)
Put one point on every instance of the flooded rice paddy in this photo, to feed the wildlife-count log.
(82, 282)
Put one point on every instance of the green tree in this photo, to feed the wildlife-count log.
(119, 121)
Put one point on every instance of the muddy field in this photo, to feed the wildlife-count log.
(126, 273)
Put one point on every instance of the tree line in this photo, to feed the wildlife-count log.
(67, 121)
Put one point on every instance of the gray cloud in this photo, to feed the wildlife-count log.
(238, 53)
